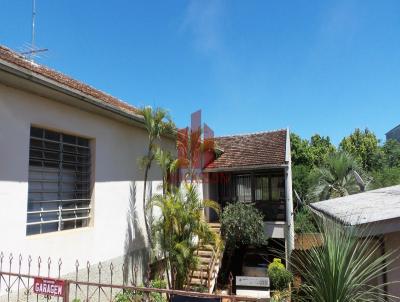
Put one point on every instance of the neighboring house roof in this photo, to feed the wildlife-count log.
(393, 130)
(16, 60)
(363, 208)
(250, 151)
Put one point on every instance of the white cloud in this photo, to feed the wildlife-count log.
(203, 20)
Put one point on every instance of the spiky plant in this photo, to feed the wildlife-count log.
(337, 178)
(180, 227)
(345, 268)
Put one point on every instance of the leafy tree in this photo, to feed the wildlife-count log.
(158, 123)
(180, 226)
(342, 269)
(300, 149)
(337, 177)
(304, 180)
(385, 178)
(391, 151)
(321, 148)
(364, 147)
(241, 224)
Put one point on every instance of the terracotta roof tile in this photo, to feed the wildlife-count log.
(12, 57)
(258, 149)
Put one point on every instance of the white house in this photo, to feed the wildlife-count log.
(70, 178)
(68, 165)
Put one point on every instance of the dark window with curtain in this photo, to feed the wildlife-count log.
(277, 188)
(261, 188)
(243, 188)
(266, 191)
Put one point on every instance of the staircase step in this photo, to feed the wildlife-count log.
(196, 281)
(205, 253)
(199, 274)
(203, 267)
(206, 247)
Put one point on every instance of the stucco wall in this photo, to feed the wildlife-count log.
(117, 147)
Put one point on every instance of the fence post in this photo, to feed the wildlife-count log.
(66, 291)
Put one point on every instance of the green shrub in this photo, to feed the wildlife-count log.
(279, 276)
(125, 296)
(242, 224)
(158, 297)
(158, 283)
(304, 221)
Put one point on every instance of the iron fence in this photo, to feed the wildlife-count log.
(86, 283)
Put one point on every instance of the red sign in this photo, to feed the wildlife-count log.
(48, 287)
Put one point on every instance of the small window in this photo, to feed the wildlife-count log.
(59, 182)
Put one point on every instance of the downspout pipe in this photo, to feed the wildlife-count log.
(289, 238)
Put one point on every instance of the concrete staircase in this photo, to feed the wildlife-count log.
(209, 263)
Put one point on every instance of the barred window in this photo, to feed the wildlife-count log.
(59, 186)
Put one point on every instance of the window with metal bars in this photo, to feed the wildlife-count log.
(59, 182)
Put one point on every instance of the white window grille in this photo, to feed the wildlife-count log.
(59, 182)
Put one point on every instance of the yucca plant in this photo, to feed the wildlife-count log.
(180, 227)
(345, 268)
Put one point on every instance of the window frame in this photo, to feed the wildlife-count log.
(72, 168)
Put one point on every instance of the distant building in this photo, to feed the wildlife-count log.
(394, 134)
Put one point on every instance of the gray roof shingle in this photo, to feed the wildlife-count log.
(362, 208)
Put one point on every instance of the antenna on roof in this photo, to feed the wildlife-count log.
(31, 50)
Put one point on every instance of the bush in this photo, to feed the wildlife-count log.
(131, 296)
(304, 221)
(242, 224)
(280, 277)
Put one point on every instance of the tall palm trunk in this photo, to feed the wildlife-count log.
(146, 222)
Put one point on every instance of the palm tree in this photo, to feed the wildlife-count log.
(339, 177)
(346, 267)
(180, 227)
(158, 123)
(167, 164)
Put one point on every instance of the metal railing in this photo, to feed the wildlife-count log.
(90, 283)
(73, 214)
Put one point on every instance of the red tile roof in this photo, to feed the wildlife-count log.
(251, 150)
(12, 57)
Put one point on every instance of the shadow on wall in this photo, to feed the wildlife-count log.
(136, 251)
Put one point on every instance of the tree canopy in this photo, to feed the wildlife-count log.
(378, 165)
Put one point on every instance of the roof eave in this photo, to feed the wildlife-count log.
(54, 85)
(245, 168)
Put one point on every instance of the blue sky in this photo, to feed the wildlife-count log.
(316, 66)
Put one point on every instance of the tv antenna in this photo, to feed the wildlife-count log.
(32, 51)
